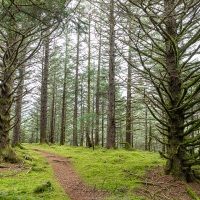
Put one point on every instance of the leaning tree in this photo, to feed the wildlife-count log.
(165, 37)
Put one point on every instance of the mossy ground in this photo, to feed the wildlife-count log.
(116, 171)
(34, 173)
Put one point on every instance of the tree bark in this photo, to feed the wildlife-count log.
(88, 139)
(6, 100)
(82, 116)
(128, 103)
(44, 93)
(176, 120)
(111, 130)
(98, 94)
(102, 122)
(52, 123)
(18, 108)
(75, 117)
(63, 120)
(146, 130)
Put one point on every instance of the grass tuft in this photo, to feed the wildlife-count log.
(46, 186)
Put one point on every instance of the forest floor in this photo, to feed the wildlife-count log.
(73, 185)
(156, 185)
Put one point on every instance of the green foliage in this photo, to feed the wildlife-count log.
(117, 171)
(34, 171)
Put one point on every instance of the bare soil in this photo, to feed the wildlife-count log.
(72, 183)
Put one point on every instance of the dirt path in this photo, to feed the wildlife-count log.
(64, 173)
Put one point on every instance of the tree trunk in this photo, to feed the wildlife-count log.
(6, 100)
(98, 94)
(52, 123)
(44, 92)
(146, 130)
(75, 134)
(128, 103)
(102, 122)
(18, 108)
(176, 152)
(111, 130)
(150, 137)
(82, 117)
(63, 120)
(88, 140)
(37, 127)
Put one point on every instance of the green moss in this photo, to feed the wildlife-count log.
(9, 155)
(46, 186)
(5, 118)
(4, 101)
(21, 186)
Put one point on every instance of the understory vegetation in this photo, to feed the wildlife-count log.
(115, 171)
(26, 181)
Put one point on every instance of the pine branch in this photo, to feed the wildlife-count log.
(192, 141)
(164, 155)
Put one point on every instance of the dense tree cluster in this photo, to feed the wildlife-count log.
(110, 73)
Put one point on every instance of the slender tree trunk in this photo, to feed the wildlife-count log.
(98, 94)
(164, 146)
(128, 104)
(102, 123)
(93, 111)
(111, 130)
(52, 123)
(44, 92)
(82, 118)
(37, 128)
(150, 137)
(88, 140)
(56, 128)
(63, 120)
(146, 130)
(75, 134)
(18, 108)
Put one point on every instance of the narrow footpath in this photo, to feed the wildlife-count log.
(64, 173)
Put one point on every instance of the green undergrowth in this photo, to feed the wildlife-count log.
(192, 194)
(116, 171)
(23, 183)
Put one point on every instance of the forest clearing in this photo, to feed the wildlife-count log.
(100, 99)
(86, 174)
